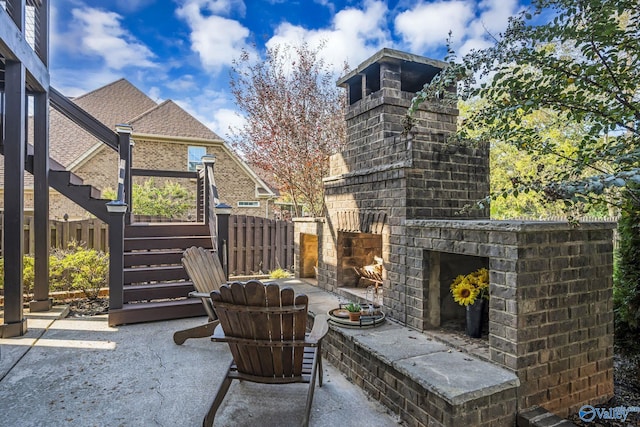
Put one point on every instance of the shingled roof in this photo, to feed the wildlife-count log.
(169, 119)
(116, 103)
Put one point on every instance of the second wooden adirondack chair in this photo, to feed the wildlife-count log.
(265, 327)
(206, 273)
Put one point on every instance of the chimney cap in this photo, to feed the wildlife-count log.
(424, 66)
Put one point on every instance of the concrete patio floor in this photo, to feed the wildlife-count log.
(81, 372)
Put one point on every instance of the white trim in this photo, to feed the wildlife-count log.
(95, 149)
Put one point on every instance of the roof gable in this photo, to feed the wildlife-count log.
(116, 103)
(170, 119)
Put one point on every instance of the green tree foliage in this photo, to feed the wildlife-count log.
(170, 200)
(627, 279)
(507, 162)
(294, 119)
(28, 273)
(577, 62)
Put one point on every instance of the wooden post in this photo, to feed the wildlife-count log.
(14, 155)
(117, 211)
(41, 300)
(223, 212)
(124, 181)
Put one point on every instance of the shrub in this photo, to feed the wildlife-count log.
(84, 269)
(170, 200)
(28, 273)
(279, 273)
(75, 268)
(626, 289)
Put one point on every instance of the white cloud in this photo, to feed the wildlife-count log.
(225, 119)
(100, 33)
(155, 94)
(182, 83)
(426, 26)
(211, 107)
(216, 39)
(354, 35)
(494, 15)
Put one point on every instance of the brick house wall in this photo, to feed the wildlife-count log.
(233, 182)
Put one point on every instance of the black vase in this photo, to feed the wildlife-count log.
(475, 318)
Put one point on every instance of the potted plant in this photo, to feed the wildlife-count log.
(472, 292)
(354, 310)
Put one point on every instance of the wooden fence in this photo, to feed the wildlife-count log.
(259, 245)
(92, 232)
(255, 244)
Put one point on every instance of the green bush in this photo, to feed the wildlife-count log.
(626, 289)
(28, 273)
(75, 268)
(84, 269)
(279, 273)
(171, 200)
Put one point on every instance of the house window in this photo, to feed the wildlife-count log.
(253, 204)
(194, 157)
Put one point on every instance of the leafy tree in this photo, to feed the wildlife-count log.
(170, 200)
(578, 62)
(507, 162)
(626, 294)
(294, 119)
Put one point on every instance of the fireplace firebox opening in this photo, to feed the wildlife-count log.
(359, 260)
(452, 315)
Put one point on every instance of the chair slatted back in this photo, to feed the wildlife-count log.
(205, 271)
(265, 327)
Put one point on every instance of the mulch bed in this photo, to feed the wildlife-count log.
(86, 307)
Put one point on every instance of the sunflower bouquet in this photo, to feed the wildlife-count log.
(467, 289)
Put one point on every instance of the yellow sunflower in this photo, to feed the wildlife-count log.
(464, 293)
(457, 281)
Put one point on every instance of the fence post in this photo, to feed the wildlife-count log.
(223, 212)
(117, 211)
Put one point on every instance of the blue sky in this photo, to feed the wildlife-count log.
(182, 49)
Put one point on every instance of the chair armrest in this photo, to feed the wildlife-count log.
(196, 294)
(320, 328)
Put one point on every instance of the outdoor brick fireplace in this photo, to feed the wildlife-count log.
(399, 197)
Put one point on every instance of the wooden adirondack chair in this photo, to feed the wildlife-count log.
(265, 327)
(206, 273)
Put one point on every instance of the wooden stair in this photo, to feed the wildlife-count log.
(70, 185)
(155, 284)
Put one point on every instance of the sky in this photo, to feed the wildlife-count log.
(183, 49)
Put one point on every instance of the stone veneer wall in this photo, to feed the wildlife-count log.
(551, 307)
